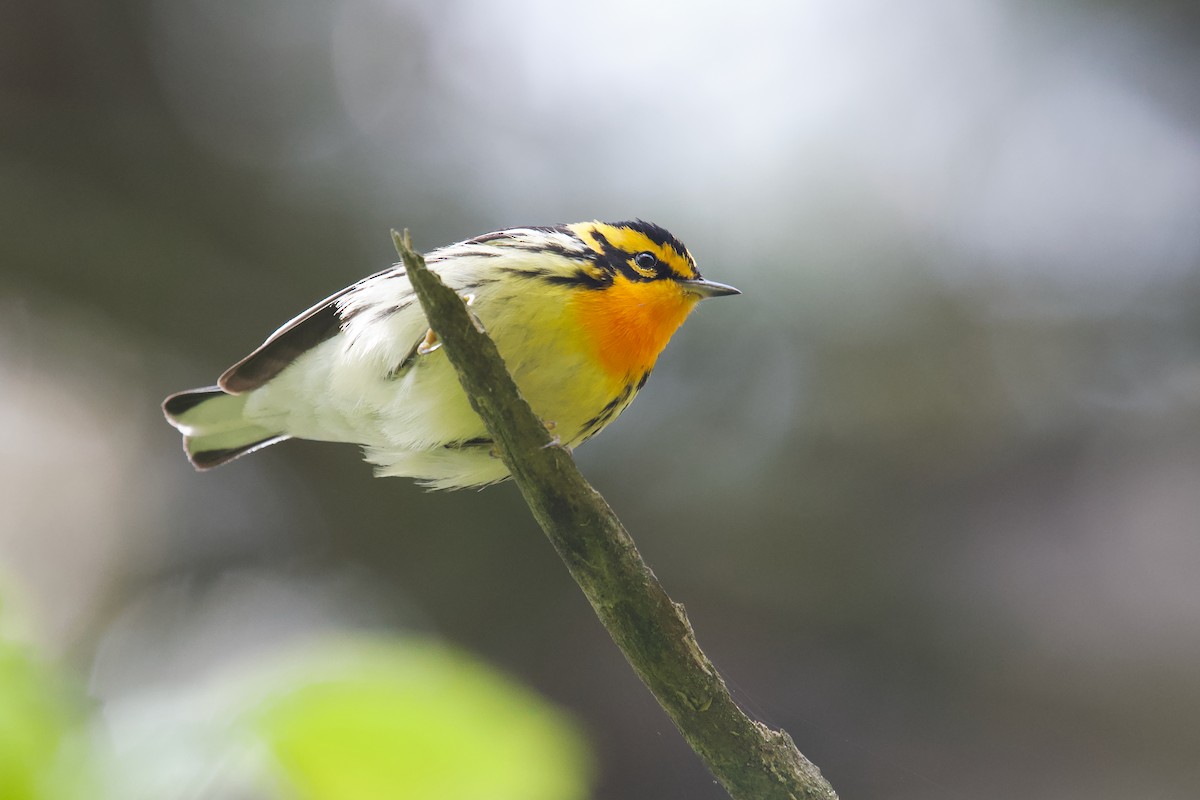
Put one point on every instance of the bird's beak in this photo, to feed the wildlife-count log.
(704, 288)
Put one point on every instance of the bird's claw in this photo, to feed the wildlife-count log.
(430, 343)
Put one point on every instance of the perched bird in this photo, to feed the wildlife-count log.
(578, 312)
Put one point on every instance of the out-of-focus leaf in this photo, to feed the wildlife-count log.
(40, 755)
(416, 719)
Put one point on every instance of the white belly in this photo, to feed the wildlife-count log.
(417, 421)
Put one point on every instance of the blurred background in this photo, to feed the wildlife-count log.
(929, 489)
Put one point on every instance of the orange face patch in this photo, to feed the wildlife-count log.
(627, 324)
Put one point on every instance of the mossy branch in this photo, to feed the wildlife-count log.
(751, 760)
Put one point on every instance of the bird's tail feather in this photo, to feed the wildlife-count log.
(214, 427)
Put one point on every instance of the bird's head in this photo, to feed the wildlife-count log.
(641, 285)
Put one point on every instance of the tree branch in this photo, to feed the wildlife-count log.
(752, 761)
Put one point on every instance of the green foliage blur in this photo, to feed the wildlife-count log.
(344, 719)
(43, 751)
(414, 719)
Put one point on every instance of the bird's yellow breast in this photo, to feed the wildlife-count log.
(627, 324)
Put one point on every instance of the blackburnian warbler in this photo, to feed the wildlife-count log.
(579, 313)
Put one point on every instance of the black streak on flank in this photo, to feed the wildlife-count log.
(489, 237)
(406, 362)
(548, 247)
(581, 278)
(479, 252)
(384, 313)
(479, 441)
(610, 410)
(495, 236)
(512, 233)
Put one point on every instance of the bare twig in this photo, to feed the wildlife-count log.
(752, 761)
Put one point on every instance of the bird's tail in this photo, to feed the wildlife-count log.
(214, 427)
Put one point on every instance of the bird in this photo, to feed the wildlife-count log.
(579, 313)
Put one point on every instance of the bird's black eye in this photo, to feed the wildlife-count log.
(645, 261)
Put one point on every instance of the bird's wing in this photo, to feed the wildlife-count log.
(296, 337)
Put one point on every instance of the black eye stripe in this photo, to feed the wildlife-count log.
(663, 239)
(642, 265)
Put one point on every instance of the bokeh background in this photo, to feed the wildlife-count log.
(929, 489)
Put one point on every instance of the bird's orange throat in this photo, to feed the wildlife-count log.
(626, 325)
